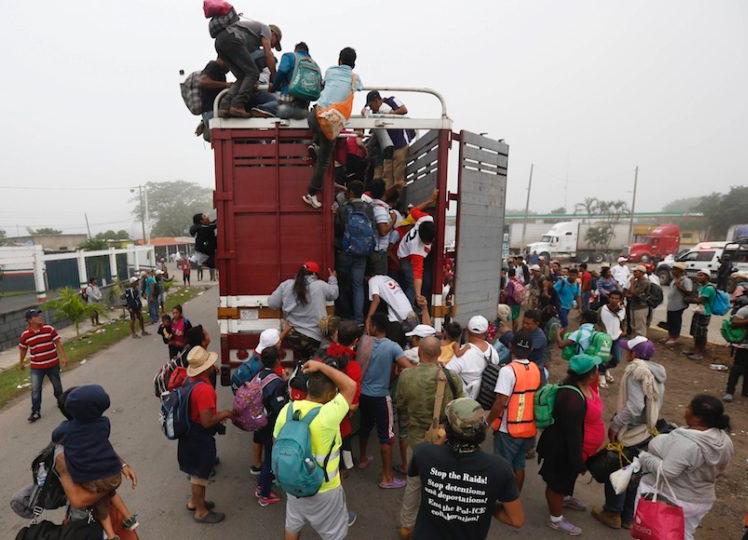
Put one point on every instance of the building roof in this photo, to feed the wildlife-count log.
(168, 241)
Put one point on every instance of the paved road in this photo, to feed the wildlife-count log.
(126, 371)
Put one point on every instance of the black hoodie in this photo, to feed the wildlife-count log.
(205, 237)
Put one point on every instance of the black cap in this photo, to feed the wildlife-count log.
(32, 312)
(522, 340)
(371, 96)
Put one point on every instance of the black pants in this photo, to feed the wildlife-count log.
(739, 368)
(675, 322)
(324, 152)
(237, 54)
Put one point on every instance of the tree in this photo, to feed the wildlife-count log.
(93, 244)
(3, 238)
(559, 210)
(122, 234)
(607, 214)
(172, 205)
(587, 207)
(724, 210)
(71, 306)
(43, 231)
(682, 206)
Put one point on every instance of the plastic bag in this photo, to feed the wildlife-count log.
(216, 8)
(620, 479)
(658, 520)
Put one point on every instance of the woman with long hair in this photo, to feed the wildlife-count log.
(690, 458)
(577, 432)
(303, 301)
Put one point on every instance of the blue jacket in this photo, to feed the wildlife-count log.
(338, 85)
(89, 455)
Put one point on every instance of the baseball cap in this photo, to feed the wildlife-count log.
(277, 31)
(622, 259)
(640, 346)
(312, 267)
(422, 331)
(521, 340)
(465, 416)
(32, 312)
(134, 279)
(371, 96)
(703, 272)
(270, 337)
(640, 268)
(478, 324)
(583, 363)
(535, 267)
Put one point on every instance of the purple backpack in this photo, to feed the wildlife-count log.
(251, 414)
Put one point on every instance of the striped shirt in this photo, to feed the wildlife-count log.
(42, 352)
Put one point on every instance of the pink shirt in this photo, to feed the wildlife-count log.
(594, 427)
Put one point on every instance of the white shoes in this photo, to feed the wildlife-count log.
(312, 201)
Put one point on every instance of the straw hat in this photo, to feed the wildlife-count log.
(200, 360)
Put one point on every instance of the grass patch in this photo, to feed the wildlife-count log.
(9, 294)
(14, 381)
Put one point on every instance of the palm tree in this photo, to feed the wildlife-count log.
(589, 207)
(70, 305)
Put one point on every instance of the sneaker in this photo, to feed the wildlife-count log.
(727, 398)
(254, 470)
(257, 112)
(695, 357)
(352, 517)
(574, 504)
(130, 523)
(34, 417)
(270, 499)
(565, 526)
(609, 377)
(671, 342)
(312, 201)
(602, 381)
(609, 519)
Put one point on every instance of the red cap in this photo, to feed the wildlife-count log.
(312, 267)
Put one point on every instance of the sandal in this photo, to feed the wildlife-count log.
(210, 505)
(364, 463)
(211, 517)
(396, 483)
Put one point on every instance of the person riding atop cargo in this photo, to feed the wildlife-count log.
(89, 456)
(298, 81)
(413, 249)
(393, 142)
(327, 118)
(236, 44)
(212, 82)
(204, 231)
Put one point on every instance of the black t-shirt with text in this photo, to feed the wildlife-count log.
(213, 71)
(459, 492)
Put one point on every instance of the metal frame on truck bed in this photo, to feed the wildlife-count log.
(265, 230)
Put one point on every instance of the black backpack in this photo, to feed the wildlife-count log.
(46, 494)
(655, 296)
(44, 530)
(487, 392)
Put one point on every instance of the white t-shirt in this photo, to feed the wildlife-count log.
(612, 321)
(381, 215)
(411, 244)
(622, 275)
(653, 279)
(391, 294)
(505, 386)
(470, 365)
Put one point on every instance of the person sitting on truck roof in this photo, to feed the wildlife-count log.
(303, 300)
(340, 82)
(212, 81)
(235, 44)
(395, 146)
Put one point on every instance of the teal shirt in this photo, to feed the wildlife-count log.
(707, 292)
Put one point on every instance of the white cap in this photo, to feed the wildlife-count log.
(268, 338)
(622, 259)
(478, 325)
(535, 267)
(422, 331)
(640, 268)
(159, 272)
(134, 279)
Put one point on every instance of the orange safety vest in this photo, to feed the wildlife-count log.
(520, 411)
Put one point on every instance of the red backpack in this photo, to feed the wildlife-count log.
(250, 410)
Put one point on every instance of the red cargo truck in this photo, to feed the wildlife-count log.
(664, 240)
(265, 231)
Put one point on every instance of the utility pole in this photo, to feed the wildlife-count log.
(88, 227)
(143, 209)
(527, 206)
(147, 236)
(633, 205)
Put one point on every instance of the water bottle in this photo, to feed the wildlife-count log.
(41, 475)
(310, 465)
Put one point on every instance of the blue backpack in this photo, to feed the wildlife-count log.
(359, 237)
(720, 303)
(175, 411)
(505, 355)
(245, 373)
(293, 463)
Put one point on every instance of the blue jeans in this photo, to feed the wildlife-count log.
(407, 283)
(265, 481)
(622, 504)
(153, 309)
(563, 316)
(353, 269)
(37, 379)
(585, 301)
(265, 101)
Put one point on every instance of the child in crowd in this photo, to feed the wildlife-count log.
(164, 330)
(204, 231)
(89, 456)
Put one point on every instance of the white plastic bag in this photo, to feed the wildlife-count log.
(620, 479)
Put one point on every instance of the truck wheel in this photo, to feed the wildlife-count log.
(645, 259)
(598, 258)
(664, 275)
(584, 258)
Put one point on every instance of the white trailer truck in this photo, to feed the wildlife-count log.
(568, 240)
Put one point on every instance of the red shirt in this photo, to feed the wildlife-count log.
(586, 282)
(178, 338)
(202, 398)
(353, 370)
(41, 346)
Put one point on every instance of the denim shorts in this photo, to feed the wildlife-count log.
(511, 449)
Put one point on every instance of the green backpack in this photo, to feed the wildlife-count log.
(732, 335)
(600, 346)
(545, 400)
(306, 79)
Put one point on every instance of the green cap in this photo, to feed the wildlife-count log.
(583, 363)
(465, 416)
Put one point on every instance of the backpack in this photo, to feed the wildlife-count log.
(545, 400)
(487, 391)
(245, 373)
(600, 346)
(359, 237)
(251, 414)
(505, 355)
(175, 411)
(82, 529)
(306, 79)
(732, 335)
(720, 303)
(571, 349)
(519, 292)
(44, 530)
(177, 379)
(163, 376)
(293, 463)
(45, 493)
(190, 89)
(654, 296)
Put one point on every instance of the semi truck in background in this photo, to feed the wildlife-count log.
(737, 232)
(662, 241)
(266, 232)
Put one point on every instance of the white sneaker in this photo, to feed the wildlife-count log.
(609, 377)
(312, 201)
(727, 398)
(565, 526)
(602, 382)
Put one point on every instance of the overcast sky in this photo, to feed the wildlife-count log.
(584, 88)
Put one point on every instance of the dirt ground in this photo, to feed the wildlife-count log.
(685, 379)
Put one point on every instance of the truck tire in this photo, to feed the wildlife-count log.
(597, 258)
(664, 275)
(583, 257)
(645, 258)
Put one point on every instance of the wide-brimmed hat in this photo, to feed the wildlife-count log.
(200, 360)
(680, 266)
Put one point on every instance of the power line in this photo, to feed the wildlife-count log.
(67, 188)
